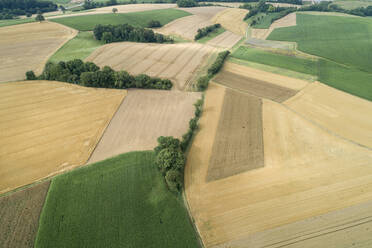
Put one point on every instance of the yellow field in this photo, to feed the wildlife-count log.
(308, 172)
(232, 19)
(49, 127)
(28, 46)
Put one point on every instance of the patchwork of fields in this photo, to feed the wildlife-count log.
(232, 19)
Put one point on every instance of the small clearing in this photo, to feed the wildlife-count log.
(49, 127)
(26, 47)
(20, 212)
(225, 40)
(232, 19)
(143, 116)
(177, 62)
(239, 141)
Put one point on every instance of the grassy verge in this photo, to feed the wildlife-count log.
(119, 202)
(79, 47)
(137, 19)
(4, 23)
(211, 35)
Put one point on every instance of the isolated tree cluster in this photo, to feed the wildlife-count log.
(154, 24)
(205, 31)
(126, 32)
(90, 75)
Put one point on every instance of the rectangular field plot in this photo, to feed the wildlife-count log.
(238, 144)
(177, 62)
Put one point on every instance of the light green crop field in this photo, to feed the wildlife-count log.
(119, 202)
(79, 47)
(137, 19)
(211, 35)
(4, 23)
(266, 20)
(353, 4)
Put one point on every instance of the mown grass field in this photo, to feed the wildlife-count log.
(119, 202)
(4, 23)
(211, 35)
(137, 19)
(79, 47)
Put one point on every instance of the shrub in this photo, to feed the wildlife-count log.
(30, 75)
(217, 65)
(154, 24)
(202, 83)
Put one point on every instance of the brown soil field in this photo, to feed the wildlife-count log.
(253, 85)
(308, 172)
(143, 116)
(225, 40)
(26, 47)
(287, 21)
(128, 8)
(238, 141)
(49, 127)
(177, 62)
(340, 113)
(232, 19)
(188, 26)
(20, 212)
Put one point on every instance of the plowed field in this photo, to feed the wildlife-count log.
(27, 47)
(144, 116)
(177, 62)
(49, 127)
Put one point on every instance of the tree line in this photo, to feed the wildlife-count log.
(90, 75)
(12, 8)
(126, 32)
(333, 7)
(170, 153)
(202, 32)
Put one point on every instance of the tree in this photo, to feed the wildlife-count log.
(154, 24)
(187, 3)
(170, 158)
(39, 17)
(30, 75)
(107, 37)
(63, 9)
(114, 10)
(166, 142)
(173, 178)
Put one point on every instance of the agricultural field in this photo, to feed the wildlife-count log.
(4, 23)
(232, 19)
(28, 46)
(119, 202)
(178, 62)
(187, 27)
(211, 35)
(264, 30)
(353, 4)
(225, 40)
(301, 179)
(143, 116)
(49, 127)
(20, 212)
(137, 19)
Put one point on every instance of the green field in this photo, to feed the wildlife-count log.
(79, 47)
(137, 19)
(265, 19)
(119, 202)
(4, 23)
(353, 4)
(211, 35)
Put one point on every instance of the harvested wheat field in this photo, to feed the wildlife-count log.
(308, 172)
(143, 116)
(342, 114)
(258, 83)
(20, 212)
(49, 127)
(28, 46)
(188, 26)
(238, 144)
(232, 19)
(177, 62)
(225, 40)
(287, 21)
(127, 8)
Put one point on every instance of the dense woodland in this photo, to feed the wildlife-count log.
(12, 8)
(126, 32)
(90, 75)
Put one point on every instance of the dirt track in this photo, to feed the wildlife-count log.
(144, 116)
(49, 127)
(238, 144)
(232, 19)
(177, 62)
(26, 47)
(20, 214)
(225, 40)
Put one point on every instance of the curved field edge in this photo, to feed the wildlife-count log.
(137, 19)
(118, 202)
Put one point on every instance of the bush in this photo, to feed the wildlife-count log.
(202, 83)
(186, 3)
(154, 24)
(205, 31)
(217, 65)
(30, 75)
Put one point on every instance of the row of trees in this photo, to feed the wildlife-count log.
(331, 7)
(11, 8)
(187, 3)
(89, 74)
(205, 31)
(126, 32)
(298, 2)
(170, 153)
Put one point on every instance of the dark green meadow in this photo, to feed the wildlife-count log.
(119, 202)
